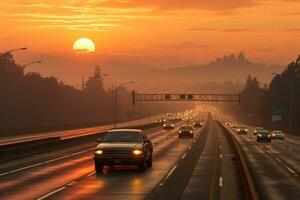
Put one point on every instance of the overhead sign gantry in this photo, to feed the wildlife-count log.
(185, 97)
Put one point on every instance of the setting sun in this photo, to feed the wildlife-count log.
(84, 45)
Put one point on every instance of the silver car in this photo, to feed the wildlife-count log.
(277, 134)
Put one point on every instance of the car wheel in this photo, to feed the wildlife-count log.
(192, 136)
(142, 166)
(149, 161)
(179, 136)
(98, 168)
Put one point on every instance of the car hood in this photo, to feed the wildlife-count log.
(119, 145)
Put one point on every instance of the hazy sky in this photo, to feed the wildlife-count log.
(150, 33)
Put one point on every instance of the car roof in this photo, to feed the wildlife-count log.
(124, 130)
(259, 127)
(264, 131)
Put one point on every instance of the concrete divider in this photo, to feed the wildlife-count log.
(28, 148)
(248, 183)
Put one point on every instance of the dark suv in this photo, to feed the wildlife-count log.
(123, 147)
(263, 136)
(186, 130)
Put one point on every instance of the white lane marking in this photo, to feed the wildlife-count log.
(51, 193)
(172, 170)
(70, 184)
(291, 170)
(220, 181)
(46, 162)
(183, 156)
(91, 174)
(221, 156)
(23, 168)
(220, 147)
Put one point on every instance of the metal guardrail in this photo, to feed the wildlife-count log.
(28, 148)
(249, 186)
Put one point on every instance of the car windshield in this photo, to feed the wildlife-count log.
(259, 128)
(186, 128)
(242, 127)
(122, 136)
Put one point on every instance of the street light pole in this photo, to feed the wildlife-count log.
(32, 63)
(116, 100)
(4, 84)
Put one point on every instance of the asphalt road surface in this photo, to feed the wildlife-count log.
(200, 168)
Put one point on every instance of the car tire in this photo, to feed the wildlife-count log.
(98, 168)
(142, 166)
(149, 161)
(179, 136)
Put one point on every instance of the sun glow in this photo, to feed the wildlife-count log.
(84, 45)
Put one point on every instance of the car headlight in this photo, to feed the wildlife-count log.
(164, 125)
(180, 131)
(99, 152)
(137, 152)
(246, 130)
(259, 135)
(269, 136)
(239, 129)
(191, 131)
(172, 125)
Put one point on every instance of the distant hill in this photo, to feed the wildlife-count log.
(229, 67)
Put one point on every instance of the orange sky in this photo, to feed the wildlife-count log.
(192, 31)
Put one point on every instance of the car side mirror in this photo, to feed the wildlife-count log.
(99, 140)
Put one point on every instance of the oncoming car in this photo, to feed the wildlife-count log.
(242, 130)
(263, 136)
(168, 125)
(186, 130)
(123, 147)
(197, 124)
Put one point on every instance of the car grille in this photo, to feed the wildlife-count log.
(117, 151)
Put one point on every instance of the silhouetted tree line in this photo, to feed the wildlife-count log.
(282, 97)
(30, 101)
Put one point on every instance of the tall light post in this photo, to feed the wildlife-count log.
(116, 100)
(4, 84)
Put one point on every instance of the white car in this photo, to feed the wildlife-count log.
(277, 134)
(257, 129)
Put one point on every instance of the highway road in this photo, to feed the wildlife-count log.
(275, 167)
(205, 167)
